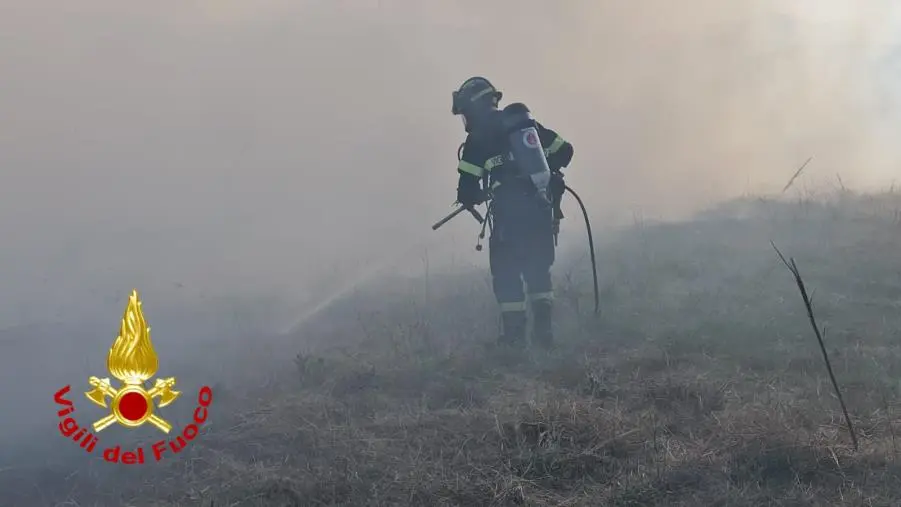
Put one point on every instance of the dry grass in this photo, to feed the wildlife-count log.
(702, 384)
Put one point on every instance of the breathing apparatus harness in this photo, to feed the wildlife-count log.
(486, 222)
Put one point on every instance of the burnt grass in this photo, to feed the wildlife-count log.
(701, 384)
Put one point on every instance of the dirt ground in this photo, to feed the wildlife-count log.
(700, 384)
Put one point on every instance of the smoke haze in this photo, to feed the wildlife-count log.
(212, 151)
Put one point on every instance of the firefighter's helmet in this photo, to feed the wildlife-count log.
(475, 94)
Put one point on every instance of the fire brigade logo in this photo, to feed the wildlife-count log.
(530, 139)
(133, 361)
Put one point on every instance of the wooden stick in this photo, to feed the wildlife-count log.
(790, 264)
(795, 176)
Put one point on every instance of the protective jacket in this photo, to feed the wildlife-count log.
(485, 164)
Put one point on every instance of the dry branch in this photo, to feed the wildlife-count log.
(795, 176)
(790, 264)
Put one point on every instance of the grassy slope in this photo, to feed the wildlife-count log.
(702, 384)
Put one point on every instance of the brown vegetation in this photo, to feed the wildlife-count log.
(701, 384)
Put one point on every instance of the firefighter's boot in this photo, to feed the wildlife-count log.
(513, 325)
(542, 329)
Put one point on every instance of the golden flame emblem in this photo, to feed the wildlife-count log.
(133, 361)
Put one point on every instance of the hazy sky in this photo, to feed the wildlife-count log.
(246, 147)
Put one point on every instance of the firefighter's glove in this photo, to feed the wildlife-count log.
(556, 187)
(470, 195)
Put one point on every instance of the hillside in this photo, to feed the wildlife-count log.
(700, 384)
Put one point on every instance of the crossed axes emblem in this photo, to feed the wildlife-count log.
(138, 402)
(133, 361)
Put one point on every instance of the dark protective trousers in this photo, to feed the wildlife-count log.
(521, 253)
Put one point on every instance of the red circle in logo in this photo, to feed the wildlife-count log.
(530, 139)
(133, 406)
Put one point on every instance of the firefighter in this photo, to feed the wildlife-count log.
(523, 220)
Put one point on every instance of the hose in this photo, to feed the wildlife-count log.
(594, 266)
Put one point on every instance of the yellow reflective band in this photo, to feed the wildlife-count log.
(518, 306)
(538, 296)
(556, 145)
(494, 162)
(472, 169)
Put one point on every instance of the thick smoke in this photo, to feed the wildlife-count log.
(223, 151)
